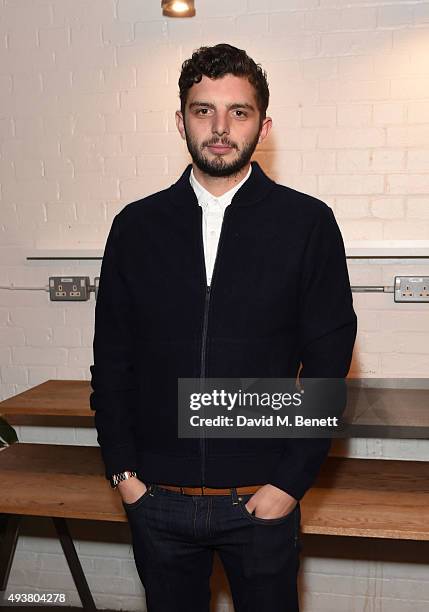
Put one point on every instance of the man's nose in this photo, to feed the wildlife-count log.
(220, 124)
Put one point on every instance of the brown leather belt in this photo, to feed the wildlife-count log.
(209, 490)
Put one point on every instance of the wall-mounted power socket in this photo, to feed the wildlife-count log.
(411, 289)
(69, 288)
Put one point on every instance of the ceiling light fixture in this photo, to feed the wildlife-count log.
(178, 8)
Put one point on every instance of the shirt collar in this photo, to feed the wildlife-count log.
(204, 196)
(257, 187)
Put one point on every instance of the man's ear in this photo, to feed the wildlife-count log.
(180, 124)
(267, 124)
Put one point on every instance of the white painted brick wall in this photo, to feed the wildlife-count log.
(87, 95)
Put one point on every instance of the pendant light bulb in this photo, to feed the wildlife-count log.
(178, 8)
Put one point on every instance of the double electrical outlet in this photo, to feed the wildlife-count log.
(411, 289)
(71, 288)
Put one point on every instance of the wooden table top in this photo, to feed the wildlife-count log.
(351, 497)
(66, 403)
(54, 402)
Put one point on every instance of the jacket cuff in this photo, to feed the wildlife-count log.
(119, 460)
(298, 469)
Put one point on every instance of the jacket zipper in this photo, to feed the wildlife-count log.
(202, 373)
(208, 294)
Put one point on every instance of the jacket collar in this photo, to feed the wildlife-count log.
(257, 186)
(204, 196)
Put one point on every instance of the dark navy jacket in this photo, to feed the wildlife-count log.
(280, 297)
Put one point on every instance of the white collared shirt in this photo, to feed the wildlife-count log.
(213, 211)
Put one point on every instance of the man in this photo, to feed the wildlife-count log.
(224, 274)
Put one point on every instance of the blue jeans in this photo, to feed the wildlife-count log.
(174, 537)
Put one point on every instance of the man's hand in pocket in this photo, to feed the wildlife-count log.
(131, 489)
(270, 502)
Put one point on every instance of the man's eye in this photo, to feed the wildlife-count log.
(241, 113)
(202, 111)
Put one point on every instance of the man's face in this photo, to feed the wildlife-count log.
(222, 124)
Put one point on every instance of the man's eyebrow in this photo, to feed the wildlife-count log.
(233, 106)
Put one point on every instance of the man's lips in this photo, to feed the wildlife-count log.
(219, 148)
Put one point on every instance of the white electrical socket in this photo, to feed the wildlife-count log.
(69, 289)
(411, 289)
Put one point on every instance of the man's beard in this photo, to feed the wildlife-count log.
(217, 166)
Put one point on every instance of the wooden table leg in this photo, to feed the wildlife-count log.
(74, 563)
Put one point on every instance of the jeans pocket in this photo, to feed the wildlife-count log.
(140, 500)
(243, 499)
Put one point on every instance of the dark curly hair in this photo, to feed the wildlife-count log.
(217, 61)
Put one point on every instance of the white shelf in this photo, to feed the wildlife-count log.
(52, 254)
(387, 248)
